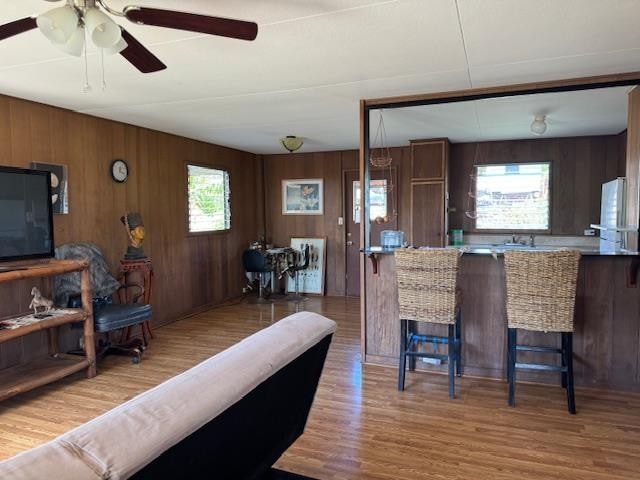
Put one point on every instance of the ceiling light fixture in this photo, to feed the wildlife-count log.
(539, 126)
(291, 143)
(67, 26)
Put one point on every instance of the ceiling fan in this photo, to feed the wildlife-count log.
(67, 26)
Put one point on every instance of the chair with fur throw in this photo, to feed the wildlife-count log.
(107, 316)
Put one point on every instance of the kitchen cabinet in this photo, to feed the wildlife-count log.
(429, 192)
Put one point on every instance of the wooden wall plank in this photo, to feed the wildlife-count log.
(633, 165)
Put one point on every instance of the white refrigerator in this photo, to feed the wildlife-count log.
(612, 215)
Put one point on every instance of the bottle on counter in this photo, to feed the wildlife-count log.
(456, 237)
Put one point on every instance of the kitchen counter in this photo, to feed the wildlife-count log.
(482, 249)
(607, 327)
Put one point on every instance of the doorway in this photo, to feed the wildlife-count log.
(383, 216)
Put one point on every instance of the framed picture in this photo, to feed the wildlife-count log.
(302, 197)
(59, 196)
(311, 279)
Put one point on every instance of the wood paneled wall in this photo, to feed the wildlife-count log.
(579, 167)
(633, 166)
(280, 228)
(191, 271)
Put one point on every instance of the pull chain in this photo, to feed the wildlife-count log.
(104, 83)
(87, 86)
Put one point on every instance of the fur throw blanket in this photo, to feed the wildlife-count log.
(68, 285)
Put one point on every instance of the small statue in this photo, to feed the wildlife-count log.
(135, 230)
(40, 301)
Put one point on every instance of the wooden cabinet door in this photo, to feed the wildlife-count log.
(428, 220)
(429, 160)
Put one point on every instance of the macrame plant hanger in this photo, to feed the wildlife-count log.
(380, 157)
(471, 211)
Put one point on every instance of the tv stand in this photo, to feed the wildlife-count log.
(56, 365)
(11, 269)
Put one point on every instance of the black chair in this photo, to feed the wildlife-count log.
(255, 262)
(301, 263)
(108, 317)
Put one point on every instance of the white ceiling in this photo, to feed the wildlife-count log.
(313, 60)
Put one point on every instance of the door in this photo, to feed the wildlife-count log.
(428, 214)
(383, 216)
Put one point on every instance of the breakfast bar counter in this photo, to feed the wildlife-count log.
(607, 318)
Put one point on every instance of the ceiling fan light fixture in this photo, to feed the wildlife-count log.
(58, 24)
(539, 126)
(104, 32)
(291, 143)
(75, 45)
(117, 48)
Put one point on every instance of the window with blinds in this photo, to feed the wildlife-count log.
(209, 194)
(512, 196)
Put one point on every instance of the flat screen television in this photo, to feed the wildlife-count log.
(26, 214)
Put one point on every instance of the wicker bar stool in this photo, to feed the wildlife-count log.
(541, 293)
(427, 292)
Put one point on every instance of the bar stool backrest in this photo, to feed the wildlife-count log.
(427, 284)
(541, 289)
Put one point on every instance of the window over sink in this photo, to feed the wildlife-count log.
(513, 196)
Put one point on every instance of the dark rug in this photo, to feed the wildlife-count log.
(275, 474)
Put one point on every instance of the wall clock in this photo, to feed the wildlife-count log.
(119, 170)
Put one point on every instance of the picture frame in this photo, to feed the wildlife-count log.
(59, 185)
(310, 279)
(303, 196)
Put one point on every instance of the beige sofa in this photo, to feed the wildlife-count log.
(230, 416)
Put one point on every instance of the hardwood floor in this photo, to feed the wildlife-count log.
(360, 426)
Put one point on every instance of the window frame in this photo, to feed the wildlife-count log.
(548, 230)
(225, 231)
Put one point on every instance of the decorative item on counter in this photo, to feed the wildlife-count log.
(135, 231)
(391, 238)
(456, 237)
(39, 301)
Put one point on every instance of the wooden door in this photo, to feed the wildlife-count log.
(352, 220)
(428, 206)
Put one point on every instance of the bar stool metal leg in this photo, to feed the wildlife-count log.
(412, 344)
(568, 341)
(403, 354)
(511, 365)
(452, 354)
(563, 375)
(459, 344)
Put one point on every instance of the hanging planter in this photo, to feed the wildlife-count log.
(380, 155)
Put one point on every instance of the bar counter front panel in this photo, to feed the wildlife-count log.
(607, 321)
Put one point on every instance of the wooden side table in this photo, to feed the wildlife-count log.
(137, 268)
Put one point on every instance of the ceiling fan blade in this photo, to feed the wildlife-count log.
(139, 56)
(18, 26)
(225, 27)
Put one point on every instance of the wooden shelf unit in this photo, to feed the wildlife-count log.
(21, 378)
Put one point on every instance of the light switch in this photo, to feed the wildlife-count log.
(340, 221)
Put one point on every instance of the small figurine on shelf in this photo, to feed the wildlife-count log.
(40, 301)
(135, 230)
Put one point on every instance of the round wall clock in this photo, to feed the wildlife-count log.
(119, 170)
